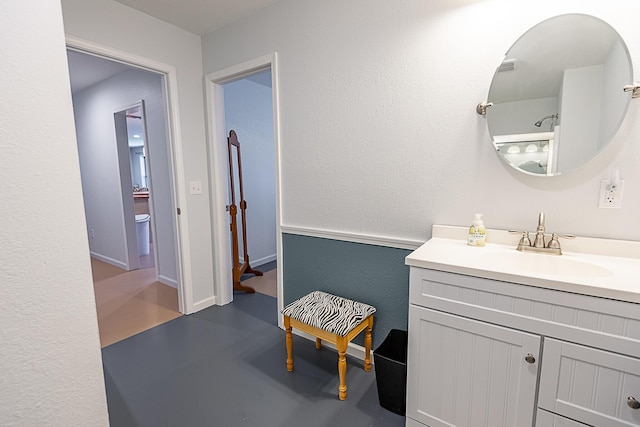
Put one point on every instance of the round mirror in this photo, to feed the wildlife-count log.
(558, 95)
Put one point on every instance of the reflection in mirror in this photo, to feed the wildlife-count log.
(557, 97)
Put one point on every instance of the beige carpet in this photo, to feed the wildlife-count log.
(265, 284)
(130, 302)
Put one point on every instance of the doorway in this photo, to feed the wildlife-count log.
(248, 111)
(124, 233)
(262, 69)
(131, 140)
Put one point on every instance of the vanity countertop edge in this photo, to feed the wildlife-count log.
(619, 262)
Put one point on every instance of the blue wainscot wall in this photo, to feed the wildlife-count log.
(375, 275)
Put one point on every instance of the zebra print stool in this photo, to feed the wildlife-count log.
(330, 318)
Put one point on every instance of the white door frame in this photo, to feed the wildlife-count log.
(218, 165)
(176, 162)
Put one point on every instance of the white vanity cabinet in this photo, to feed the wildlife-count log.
(492, 353)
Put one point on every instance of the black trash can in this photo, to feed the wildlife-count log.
(391, 371)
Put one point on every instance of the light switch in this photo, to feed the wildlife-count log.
(195, 187)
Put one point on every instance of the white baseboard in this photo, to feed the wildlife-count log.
(259, 262)
(108, 260)
(263, 260)
(168, 281)
(201, 305)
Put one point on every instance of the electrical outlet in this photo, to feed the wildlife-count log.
(92, 233)
(610, 198)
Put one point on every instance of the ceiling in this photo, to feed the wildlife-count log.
(198, 16)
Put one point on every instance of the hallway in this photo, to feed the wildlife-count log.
(129, 302)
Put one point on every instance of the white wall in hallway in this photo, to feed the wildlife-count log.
(49, 346)
(379, 133)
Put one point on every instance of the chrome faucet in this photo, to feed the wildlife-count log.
(539, 240)
(538, 245)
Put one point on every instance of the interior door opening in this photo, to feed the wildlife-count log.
(131, 138)
(248, 116)
(127, 181)
(256, 73)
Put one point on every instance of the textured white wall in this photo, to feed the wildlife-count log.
(116, 26)
(378, 123)
(94, 108)
(249, 111)
(49, 348)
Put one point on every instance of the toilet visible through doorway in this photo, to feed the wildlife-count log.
(142, 233)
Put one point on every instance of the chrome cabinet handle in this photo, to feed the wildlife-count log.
(529, 358)
(633, 403)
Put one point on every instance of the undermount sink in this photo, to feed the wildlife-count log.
(561, 265)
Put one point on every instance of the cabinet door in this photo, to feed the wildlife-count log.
(589, 385)
(462, 372)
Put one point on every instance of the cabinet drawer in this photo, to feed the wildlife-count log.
(614, 325)
(547, 419)
(589, 385)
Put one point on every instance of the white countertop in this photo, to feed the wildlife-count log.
(597, 267)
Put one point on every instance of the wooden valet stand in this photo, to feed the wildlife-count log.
(238, 269)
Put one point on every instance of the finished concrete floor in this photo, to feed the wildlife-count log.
(225, 366)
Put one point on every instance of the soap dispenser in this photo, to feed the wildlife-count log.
(477, 232)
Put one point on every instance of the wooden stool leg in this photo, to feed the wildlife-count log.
(367, 345)
(318, 343)
(289, 342)
(342, 367)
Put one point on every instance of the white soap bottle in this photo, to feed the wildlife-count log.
(477, 232)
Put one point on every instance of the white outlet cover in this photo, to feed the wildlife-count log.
(608, 199)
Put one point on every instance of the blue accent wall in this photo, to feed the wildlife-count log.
(374, 275)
